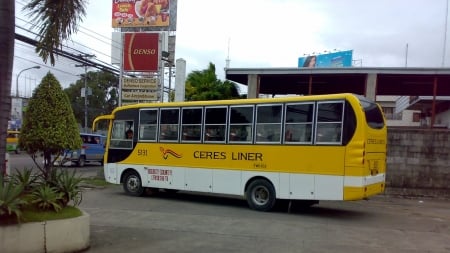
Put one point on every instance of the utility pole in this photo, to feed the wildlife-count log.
(85, 56)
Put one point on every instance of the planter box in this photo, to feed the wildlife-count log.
(65, 235)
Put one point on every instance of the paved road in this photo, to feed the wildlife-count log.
(186, 222)
(23, 160)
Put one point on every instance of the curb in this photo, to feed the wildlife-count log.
(64, 235)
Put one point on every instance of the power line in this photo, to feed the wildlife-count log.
(71, 56)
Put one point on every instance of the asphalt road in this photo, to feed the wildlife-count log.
(188, 222)
(23, 160)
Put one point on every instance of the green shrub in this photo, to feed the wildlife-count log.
(67, 183)
(46, 197)
(11, 203)
(24, 178)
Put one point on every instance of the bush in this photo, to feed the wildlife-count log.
(68, 184)
(46, 197)
(11, 201)
(25, 178)
(25, 191)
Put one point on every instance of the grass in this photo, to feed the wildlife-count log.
(96, 182)
(33, 214)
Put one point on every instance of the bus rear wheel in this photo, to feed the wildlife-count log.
(260, 195)
(132, 184)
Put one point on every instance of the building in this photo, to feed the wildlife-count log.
(418, 97)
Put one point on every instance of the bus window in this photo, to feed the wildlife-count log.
(168, 130)
(298, 123)
(148, 124)
(374, 116)
(118, 136)
(268, 123)
(241, 121)
(191, 124)
(329, 122)
(215, 122)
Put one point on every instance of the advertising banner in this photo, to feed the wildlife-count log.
(140, 84)
(330, 60)
(142, 13)
(141, 52)
(138, 95)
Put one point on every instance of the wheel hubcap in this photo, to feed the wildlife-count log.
(133, 183)
(261, 195)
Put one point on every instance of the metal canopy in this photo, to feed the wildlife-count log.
(390, 81)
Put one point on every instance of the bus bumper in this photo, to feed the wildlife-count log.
(358, 193)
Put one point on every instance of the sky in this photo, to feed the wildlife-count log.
(266, 33)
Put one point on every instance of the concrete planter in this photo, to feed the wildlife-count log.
(65, 235)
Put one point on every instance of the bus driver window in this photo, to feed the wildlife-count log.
(129, 134)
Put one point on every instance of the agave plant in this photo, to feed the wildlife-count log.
(10, 200)
(67, 184)
(24, 178)
(46, 197)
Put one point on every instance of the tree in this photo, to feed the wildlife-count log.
(7, 16)
(57, 19)
(49, 125)
(204, 85)
(104, 96)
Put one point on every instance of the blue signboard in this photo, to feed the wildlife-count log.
(331, 60)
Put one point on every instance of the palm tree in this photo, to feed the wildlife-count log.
(7, 10)
(204, 85)
(56, 21)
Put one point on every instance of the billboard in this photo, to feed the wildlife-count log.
(160, 14)
(141, 52)
(136, 90)
(330, 60)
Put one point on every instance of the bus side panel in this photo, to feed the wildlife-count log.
(163, 177)
(111, 173)
(329, 187)
(199, 180)
(227, 182)
(301, 186)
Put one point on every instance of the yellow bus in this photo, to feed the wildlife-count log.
(322, 147)
(12, 141)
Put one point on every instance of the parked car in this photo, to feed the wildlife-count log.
(92, 151)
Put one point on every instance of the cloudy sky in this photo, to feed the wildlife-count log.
(267, 33)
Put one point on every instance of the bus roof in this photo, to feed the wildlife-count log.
(234, 101)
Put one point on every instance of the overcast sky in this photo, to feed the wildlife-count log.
(270, 33)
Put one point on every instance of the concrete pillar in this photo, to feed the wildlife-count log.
(180, 80)
(253, 86)
(371, 86)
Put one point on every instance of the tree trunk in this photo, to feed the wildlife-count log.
(7, 25)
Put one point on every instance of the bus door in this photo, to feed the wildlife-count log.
(121, 145)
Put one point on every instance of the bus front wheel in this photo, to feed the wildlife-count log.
(260, 195)
(132, 184)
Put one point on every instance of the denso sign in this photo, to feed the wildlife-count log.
(140, 52)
